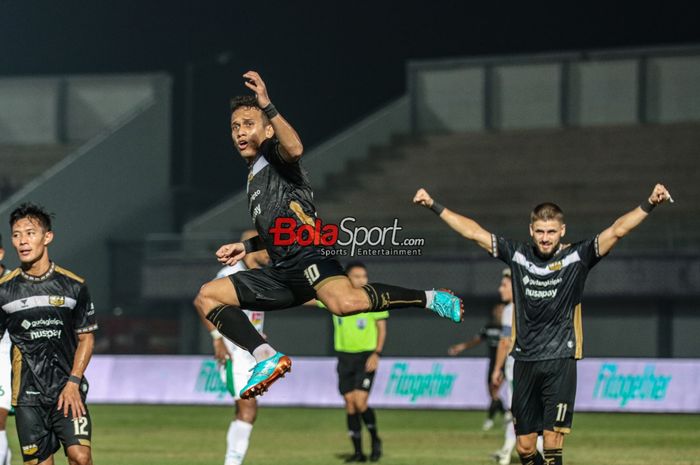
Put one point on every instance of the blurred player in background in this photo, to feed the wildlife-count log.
(504, 366)
(491, 334)
(51, 319)
(359, 340)
(278, 190)
(5, 379)
(548, 282)
(237, 363)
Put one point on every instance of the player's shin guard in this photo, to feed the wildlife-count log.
(385, 297)
(235, 325)
(553, 457)
(534, 459)
(355, 432)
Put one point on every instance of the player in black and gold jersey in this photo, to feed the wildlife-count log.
(548, 278)
(50, 317)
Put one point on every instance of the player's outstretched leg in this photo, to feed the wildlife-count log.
(342, 298)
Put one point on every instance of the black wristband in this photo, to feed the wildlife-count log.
(378, 353)
(270, 111)
(253, 244)
(74, 379)
(437, 208)
(647, 206)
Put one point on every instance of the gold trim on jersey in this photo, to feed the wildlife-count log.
(578, 332)
(13, 274)
(299, 212)
(16, 373)
(85, 442)
(70, 274)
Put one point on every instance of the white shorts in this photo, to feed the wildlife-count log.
(5, 372)
(510, 361)
(242, 362)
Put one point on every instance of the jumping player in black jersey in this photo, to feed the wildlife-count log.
(491, 335)
(548, 279)
(50, 317)
(279, 189)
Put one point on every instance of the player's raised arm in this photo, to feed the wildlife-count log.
(291, 148)
(463, 225)
(627, 222)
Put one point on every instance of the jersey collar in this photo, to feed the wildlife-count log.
(38, 279)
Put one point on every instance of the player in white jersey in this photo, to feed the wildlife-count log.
(5, 380)
(505, 290)
(236, 365)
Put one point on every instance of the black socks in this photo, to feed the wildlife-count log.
(534, 459)
(385, 297)
(553, 457)
(355, 432)
(370, 422)
(496, 406)
(235, 325)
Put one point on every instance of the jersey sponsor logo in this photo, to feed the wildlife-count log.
(625, 387)
(256, 211)
(45, 333)
(255, 195)
(541, 294)
(403, 383)
(536, 282)
(521, 260)
(57, 300)
(42, 322)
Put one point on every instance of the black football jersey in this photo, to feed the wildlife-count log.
(491, 334)
(43, 315)
(279, 189)
(547, 295)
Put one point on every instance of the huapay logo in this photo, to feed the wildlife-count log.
(613, 385)
(354, 240)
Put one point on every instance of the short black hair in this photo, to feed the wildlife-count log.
(354, 264)
(34, 211)
(247, 101)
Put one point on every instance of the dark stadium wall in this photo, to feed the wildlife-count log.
(326, 64)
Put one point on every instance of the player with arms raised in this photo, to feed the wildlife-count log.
(278, 188)
(548, 281)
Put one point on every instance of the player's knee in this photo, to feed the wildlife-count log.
(247, 412)
(361, 405)
(79, 457)
(525, 446)
(344, 306)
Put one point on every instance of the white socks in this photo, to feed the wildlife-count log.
(429, 296)
(263, 351)
(237, 440)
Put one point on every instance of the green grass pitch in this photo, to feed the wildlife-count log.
(186, 435)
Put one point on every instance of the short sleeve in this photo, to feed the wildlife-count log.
(270, 151)
(502, 249)
(84, 320)
(589, 252)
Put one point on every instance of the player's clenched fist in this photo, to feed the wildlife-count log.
(659, 195)
(230, 254)
(423, 198)
(255, 83)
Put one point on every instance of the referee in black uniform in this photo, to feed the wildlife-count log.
(50, 317)
(548, 279)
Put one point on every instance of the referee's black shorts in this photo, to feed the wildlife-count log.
(352, 374)
(544, 393)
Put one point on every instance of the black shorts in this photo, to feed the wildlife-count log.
(43, 429)
(276, 288)
(351, 372)
(544, 393)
